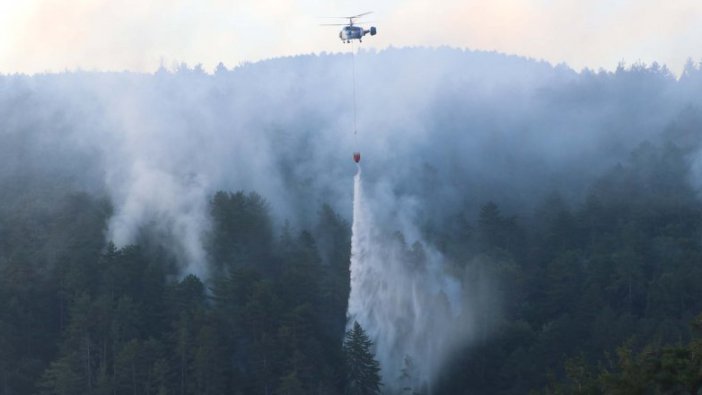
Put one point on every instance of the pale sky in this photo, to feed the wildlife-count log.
(139, 35)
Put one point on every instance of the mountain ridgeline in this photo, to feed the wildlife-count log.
(190, 233)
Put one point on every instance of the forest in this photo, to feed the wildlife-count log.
(582, 285)
(139, 257)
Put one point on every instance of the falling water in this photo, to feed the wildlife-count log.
(402, 297)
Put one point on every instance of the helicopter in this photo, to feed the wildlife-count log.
(350, 31)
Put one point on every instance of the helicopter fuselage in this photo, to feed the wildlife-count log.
(351, 32)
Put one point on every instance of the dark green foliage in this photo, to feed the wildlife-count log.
(362, 370)
(276, 324)
(655, 370)
(621, 266)
(333, 235)
(242, 232)
(571, 285)
(498, 232)
(81, 316)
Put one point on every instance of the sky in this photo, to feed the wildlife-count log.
(138, 35)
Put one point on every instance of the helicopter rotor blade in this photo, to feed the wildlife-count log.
(346, 17)
(334, 24)
(360, 15)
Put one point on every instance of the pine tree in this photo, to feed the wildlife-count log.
(362, 370)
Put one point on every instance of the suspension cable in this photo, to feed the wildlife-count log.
(353, 66)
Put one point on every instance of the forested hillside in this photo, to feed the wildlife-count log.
(90, 318)
(188, 233)
(81, 316)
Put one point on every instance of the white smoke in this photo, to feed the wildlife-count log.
(409, 306)
(175, 207)
(475, 127)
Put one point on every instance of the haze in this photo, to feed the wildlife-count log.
(178, 206)
(39, 35)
